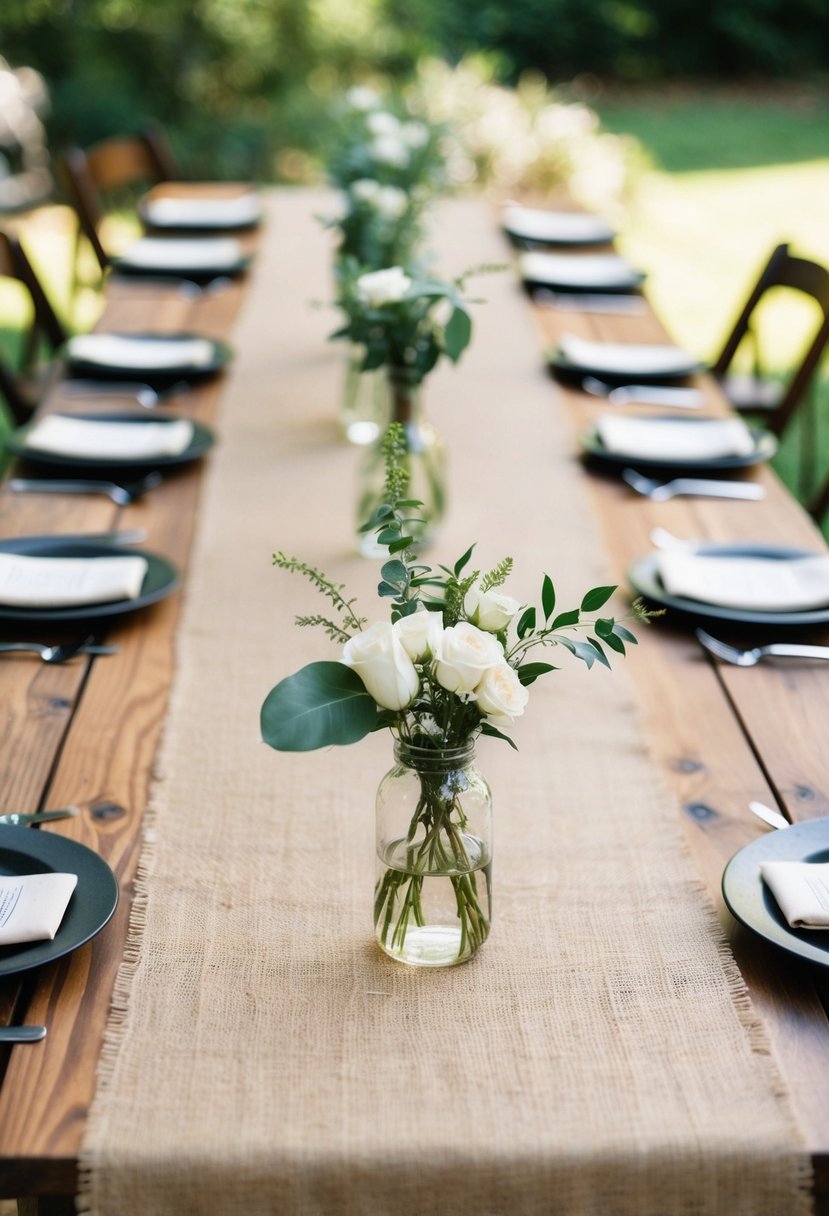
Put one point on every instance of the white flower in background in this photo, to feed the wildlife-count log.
(420, 634)
(381, 287)
(490, 610)
(383, 123)
(391, 202)
(501, 695)
(360, 97)
(390, 150)
(365, 189)
(379, 659)
(415, 134)
(464, 656)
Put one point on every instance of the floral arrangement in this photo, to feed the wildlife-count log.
(403, 320)
(455, 660)
(373, 143)
(378, 225)
(523, 138)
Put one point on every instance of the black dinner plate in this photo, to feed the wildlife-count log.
(574, 371)
(221, 354)
(194, 224)
(196, 274)
(586, 231)
(631, 282)
(202, 440)
(30, 851)
(160, 579)
(643, 577)
(751, 902)
(765, 445)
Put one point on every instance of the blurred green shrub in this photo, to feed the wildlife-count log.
(243, 87)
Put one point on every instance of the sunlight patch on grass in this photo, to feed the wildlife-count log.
(704, 237)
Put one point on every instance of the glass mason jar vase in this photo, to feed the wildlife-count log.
(425, 461)
(364, 412)
(433, 897)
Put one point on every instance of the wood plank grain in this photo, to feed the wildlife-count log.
(707, 744)
(105, 767)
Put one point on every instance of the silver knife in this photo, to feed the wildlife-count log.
(652, 394)
(773, 818)
(127, 536)
(22, 1034)
(718, 489)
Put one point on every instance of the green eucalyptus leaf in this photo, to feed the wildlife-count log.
(625, 634)
(397, 546)
(528, 673)
(596, 598)
(548, 597)
(582, 650)
(526, 622)
(603, 627)
(488, 729)
(615, 643)
(386, 590)
(395, 572)
(461, 562)
(320, 705)
(457, 334)
(388, 535)
(597, 646)
(566, 618)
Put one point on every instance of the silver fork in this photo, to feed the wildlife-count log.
(20, 820)
(136, 390)
(60, 654)
(750, 656)
(123, 495)
(701, 487)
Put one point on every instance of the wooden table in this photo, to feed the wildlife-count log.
(87, 733)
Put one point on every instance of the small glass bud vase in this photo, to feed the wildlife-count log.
(432, 900)
(365, 408)
(424, 460)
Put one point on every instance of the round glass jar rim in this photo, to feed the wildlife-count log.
(434, 758)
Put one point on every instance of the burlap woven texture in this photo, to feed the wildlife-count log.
(263, 1057)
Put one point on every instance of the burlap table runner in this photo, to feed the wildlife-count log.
(599, 1055)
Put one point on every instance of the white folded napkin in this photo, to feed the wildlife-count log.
(109, 440)
(674, 438)
(32, 906)
(61, 582)
(197, 253)
(124, 350)
(626, 358)
(589, 270)
(759, 583)
(234, 212)
(801, 888)
(555, 226)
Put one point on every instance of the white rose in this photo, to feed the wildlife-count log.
(489, 610)
(415, 134)
(383, 123)
(465, 653)
(501, 695)
(380, 661)
(390, 150)
(360, 97)
(420, 633)
(365, 189)
(391, 202)
(381, 287)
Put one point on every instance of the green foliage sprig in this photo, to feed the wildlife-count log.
(329, 703)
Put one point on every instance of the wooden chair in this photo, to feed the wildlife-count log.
(113, 166)
(21, 385)
(755, 393)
